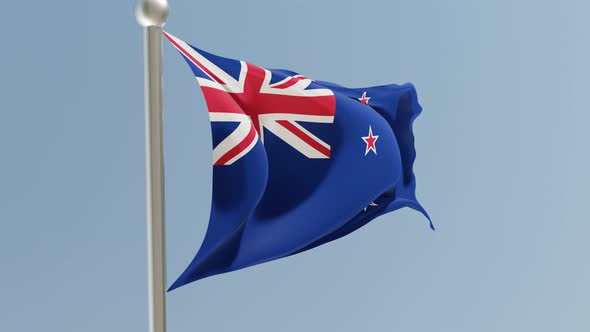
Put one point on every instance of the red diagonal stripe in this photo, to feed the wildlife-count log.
(289, 83)
(238, 148)
(304, 137)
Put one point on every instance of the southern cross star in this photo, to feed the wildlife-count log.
(364, 99)
(370, 140)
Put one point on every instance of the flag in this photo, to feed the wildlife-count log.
(297, 162)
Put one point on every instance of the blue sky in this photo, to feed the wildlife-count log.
(502, 168)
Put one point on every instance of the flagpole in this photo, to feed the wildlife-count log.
(152, 14)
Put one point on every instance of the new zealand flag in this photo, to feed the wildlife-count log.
(297, 162)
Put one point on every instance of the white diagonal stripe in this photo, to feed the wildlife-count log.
(235, 138)
(231, 85)
(297, 89)
(296, 142)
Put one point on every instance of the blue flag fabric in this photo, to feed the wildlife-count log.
(297, 162)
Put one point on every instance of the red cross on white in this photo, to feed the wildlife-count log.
(257, 104)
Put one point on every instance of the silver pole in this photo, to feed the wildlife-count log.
(152, 14)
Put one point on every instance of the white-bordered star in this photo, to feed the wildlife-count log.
(370, 204)
(370, 140)
(364, 99)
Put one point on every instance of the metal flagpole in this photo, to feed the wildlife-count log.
(152, 14)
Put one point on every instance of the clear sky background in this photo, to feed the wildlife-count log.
(503, 167)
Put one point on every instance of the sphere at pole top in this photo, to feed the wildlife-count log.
(152, 12)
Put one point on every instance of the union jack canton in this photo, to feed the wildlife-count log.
(257, 102)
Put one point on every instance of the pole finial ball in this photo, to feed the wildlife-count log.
(152, 12)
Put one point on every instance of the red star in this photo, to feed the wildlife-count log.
(370, 140)
(364, 99)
